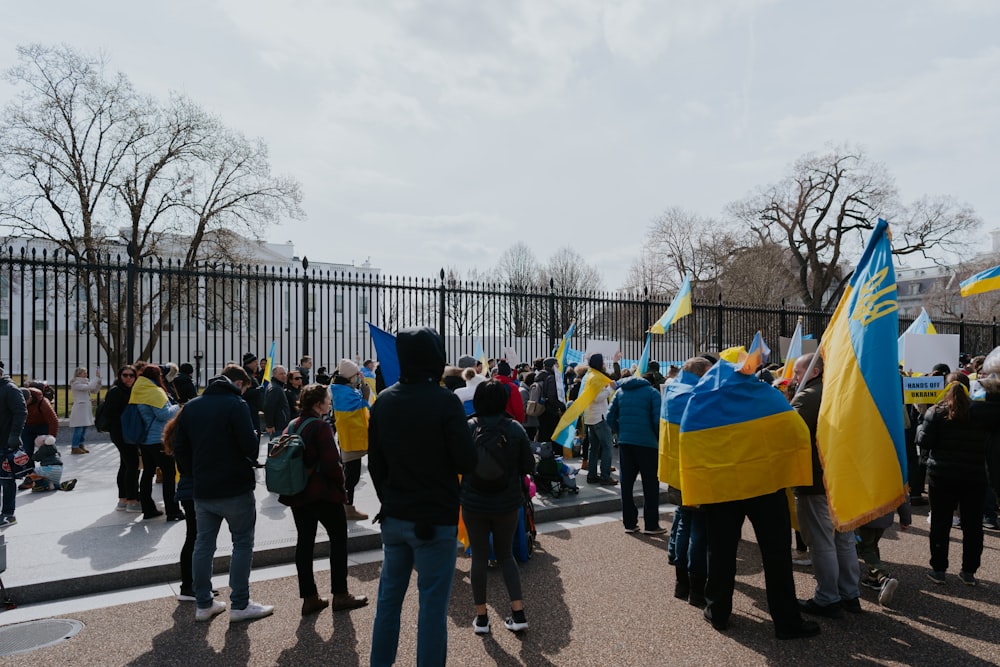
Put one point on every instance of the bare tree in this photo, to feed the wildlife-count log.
(519, 271)
(821, 210)
(87, 162)
(569, 276)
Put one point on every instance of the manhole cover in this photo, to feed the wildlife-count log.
(25, 637)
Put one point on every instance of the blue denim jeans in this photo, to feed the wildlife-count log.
(240, 513)
(79, 435)
(434, 560)
(688, 544)
(599, 438)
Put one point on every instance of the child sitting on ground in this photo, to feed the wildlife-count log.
(48, 467)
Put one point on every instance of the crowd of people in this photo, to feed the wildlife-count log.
(450, 441)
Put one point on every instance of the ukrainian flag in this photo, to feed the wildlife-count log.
(984, 281)
(593, 383)
(643, 364)
(675, 400)
(350, 414)
(739, 438)
(794, 352)
(679, 307)
(860, 429)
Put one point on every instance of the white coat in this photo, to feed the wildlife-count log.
(82, 413)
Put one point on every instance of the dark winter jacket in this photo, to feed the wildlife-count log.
(276, 411)
(519, 460)
(635, 414)
(807, 405)
(326, 483)
(184, 388)
(957, 449)
(550, 395)
(40, 412)
(13, 412)
(215, 442)
(418, 436)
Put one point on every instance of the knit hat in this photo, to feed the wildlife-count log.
(596, 362)
(549, 362)
(249, 358)
(187, 368)
(347, 368)
(503, 368)
(467, 361)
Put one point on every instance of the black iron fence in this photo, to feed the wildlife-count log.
(58, 313)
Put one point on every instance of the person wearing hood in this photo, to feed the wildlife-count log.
(635, 416)
(554, 407)
(215, 444)
(515, 404)
(418, 444)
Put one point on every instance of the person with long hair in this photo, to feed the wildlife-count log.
(155, 408)
(955, 433)
(128, 455)
(487, 512)
(321, 502)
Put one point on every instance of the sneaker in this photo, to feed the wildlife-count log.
(593, 480)
(967, 578)
(888, 591)
(151, 515)
(121, 506)
(481, 629)
(607, 481)
(7, 520)
(991, 524)
(188, 596)
(27, 484)
(872, 583)
(69, 486)
(826, 610)
(804, 561)
(631, 529)
(655, 531)
(936, 576)
(176, 516)
(514, 625)
(208, 613)
(250, 612)
(133, 507)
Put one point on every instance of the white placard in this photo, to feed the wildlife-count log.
(922, 351)
(510, 354)
(607, 348)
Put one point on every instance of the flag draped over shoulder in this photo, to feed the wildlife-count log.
(268, 366)
(679, 307)
(593, 383)
(350, 414)
(675, 400)
(860, 429)
(984, 281)
(385, 351)
(739, 438)
(921, 325)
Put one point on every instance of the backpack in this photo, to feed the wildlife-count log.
(102, 418)
(535, 406)
(134, 429)
(285, 471)
(493, 468)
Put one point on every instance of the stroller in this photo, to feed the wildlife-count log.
(552, 476)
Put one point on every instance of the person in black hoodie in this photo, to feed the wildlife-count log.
(184, 384)
(418, 444)
(216, 445)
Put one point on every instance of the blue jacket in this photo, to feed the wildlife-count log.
(154, 419)
(635, 414)
(215, 442)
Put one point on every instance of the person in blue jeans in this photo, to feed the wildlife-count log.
(418, 444)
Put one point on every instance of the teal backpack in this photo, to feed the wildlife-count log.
(285, 471)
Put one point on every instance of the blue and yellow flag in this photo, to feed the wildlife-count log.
(675, 400)
(984, 281)
(860, 429)
(794, 352)
(643, 364)
(560, 354)
(679, 307)
(739, 438)
(350, 415)
(385, 352)
(268, 366)
(593, 383)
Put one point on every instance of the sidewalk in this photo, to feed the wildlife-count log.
(68, 544)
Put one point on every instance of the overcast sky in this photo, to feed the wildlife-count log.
(430, 134)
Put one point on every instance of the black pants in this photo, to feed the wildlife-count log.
(128, 471)
(154, 457)
(947, 495)
(773, 529)
(637, 460)
(187, 551)
(307, 517)
(352, 475)
(502, 525)
(547, 423)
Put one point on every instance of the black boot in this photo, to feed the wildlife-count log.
(696, 598)
(683, 587)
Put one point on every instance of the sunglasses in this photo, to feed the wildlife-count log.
(128, 375)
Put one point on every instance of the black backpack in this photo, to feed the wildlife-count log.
(494, 467)
(102, 418)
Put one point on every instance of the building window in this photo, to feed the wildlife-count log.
(362, 304)
(914, 289)
(4, 327)
(41, 325)
(338, 303)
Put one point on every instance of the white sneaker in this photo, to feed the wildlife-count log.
(888, 591)
(481, 629)
(515, 626)
(252, 611)
(209, 613)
